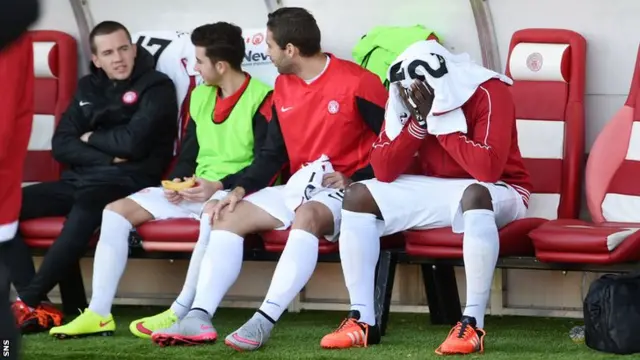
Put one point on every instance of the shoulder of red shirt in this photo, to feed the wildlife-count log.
(353, 78)
(488, 87)
(484, 93)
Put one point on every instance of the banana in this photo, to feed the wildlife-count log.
(178, 185)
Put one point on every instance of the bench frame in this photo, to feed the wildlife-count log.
(441, 285)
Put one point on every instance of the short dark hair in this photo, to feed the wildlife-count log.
(295, 26)
(222, 41)
(106, 28)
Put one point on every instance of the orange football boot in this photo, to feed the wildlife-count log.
(352, 333)
(464, 338)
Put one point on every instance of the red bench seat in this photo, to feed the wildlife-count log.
(178, 235)
(613, 197)
(577, 241)
(445, 244)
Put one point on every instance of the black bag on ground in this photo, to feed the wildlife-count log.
(612, 314)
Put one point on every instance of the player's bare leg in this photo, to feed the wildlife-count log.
(219, 269)
(359, 252)
(313, 220)
(131, 211)
(480, 251)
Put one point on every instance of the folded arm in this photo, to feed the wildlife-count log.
(391, 158)
(158, 105)
(66, 146)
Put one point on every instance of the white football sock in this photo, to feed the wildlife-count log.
(359, 253)
(481, 246)
(296, 265)
(219, 269)
(184, 301)
(110, 260)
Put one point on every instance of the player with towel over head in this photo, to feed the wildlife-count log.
(459, 118)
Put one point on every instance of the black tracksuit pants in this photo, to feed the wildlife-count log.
(82, 206)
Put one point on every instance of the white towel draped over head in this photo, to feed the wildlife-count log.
(454, 78)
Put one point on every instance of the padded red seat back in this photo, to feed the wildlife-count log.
(548, 69)
(613, 168)
(55, 58)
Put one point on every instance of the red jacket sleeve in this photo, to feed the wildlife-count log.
(391, 158)
(484, 154)
(14, 61)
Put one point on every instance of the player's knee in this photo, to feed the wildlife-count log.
(358, 198)
(232, 221)
(476, 196)
(226, 220)
(208, 207)
(119, 207)
(314, 218)
(129, 210)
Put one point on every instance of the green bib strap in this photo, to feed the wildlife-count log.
(227, 147)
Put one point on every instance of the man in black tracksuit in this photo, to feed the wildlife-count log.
(115, 138)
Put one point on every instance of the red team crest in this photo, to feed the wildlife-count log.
(333, 107)
(534, 62)
(130, 97)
